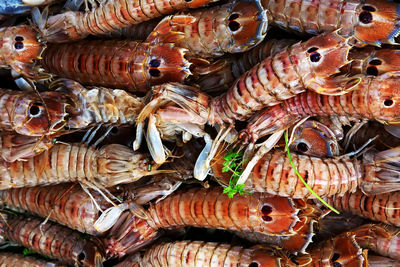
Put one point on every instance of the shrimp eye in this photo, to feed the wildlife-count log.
(155, 63)
(35, 110)
(19, 39)
(155, 72)
(315, 57)
(81, 256)
(302, 147)
(266, 210)
(365, 17)
(19, 45)
(372, 70)
(388, 102)
(114, 130)
(253, 264)
(233, 25)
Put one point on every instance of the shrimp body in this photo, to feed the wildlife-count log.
(118, 64)
(107, 166)
(235, 27)
(374, 98)
(382, 207)
(198, 253)
(10, 259)
(64, 203)
(108, 17)
(19, 47)
(369, 21)
(52, 240)
(98, 105)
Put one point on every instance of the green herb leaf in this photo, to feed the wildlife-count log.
(28, 251)
(233, 162)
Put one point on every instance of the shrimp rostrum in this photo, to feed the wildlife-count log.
(313, 64)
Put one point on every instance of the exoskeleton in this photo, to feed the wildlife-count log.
(382, 207)
(50, 239)
(21, 147)
(207, 254)
(108, 166)
(211, 208)
(369, 21)
(380, 238)
(374, 98)
(108, 17)
(20, 46)
(131, 65)
(274, 174)
(8, 259)
(235, 27)
(30, 114)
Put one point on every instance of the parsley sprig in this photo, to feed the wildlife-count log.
(233, 162)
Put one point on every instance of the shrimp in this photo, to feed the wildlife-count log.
(98, 105)
(374, 98)
(20, 46)
(34, 115)
(207, 254)
(105, 167)
(274, 174)
(108, 17)
(8, 259)
(380, 238)
(342, 250)
(370, 22)
(52, 240)
(382, 207)
(210, 208)
(236, 27)
(130, 65)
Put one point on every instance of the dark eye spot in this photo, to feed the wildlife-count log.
(388, 102)
(114, 130)
(315, 57)
(368, 8)
(188, 1)
(335, 257)
(312, 49)
(35, 110)
(365, 17)
(234, 25)
(266, 210)
(233, 16)
(375, 62)
(302, 147)
(19, 39)
(155, 72)
(253, 264)
(81, 256)
(155, 63)
(372, 70)
(19, 45)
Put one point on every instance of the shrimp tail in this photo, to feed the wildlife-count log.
(128, 235)
(382, 171)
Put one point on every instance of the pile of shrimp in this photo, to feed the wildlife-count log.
(199, 133)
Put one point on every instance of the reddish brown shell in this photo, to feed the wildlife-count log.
(130, 65)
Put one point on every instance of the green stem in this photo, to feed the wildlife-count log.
(301, 178)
